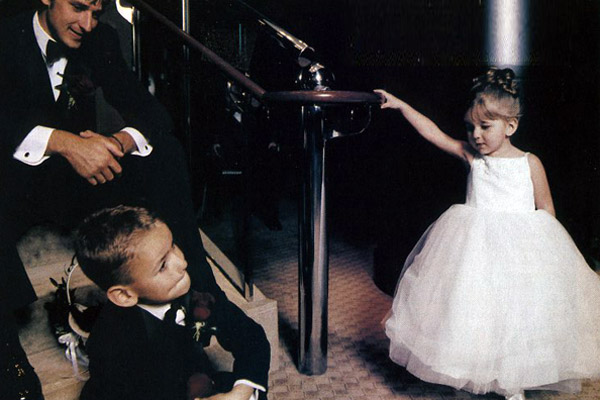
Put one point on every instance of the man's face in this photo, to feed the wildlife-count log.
(68, 21)
(158, 268)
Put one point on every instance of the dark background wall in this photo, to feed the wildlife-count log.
(387, 184)
(427, 52)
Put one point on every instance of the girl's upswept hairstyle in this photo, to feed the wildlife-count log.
(496, 94)
(105, 243)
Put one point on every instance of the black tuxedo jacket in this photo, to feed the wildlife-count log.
(133, 356)
(26, 98)
(31, 195)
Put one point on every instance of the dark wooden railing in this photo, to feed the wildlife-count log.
(300, 97)
(313, 253)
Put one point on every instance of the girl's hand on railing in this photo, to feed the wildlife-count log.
(389, 100)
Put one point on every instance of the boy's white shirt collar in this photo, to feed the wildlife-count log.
(158, 310)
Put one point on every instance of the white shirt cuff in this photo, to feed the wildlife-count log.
(32, 149)
(143, 147)
(252, 385)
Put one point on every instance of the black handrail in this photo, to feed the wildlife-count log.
(302, 97)
(313, 255)
(321, 97)
(223, 65)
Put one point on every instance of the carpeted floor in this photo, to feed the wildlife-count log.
(358, 366)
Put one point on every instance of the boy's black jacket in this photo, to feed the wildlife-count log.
(133, 355)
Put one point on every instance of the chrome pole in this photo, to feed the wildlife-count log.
(187, 82)
(313, 266)
(136, 43)
(507, 35)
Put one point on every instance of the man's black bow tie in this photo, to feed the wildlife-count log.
(54, 52)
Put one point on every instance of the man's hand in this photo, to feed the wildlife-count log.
(91, 155)
(239, 392)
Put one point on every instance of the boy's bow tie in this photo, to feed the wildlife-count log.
(176, 313)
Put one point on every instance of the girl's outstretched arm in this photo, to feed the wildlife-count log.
(427, 128)
(541, 188)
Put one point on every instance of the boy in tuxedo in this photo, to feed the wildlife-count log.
(148, 340)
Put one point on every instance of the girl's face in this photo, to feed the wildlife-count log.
(490, 137)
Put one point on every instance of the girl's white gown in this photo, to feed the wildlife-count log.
(495, 296)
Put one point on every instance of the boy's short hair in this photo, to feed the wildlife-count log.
(104, 243)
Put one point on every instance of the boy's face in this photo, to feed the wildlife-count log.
(158, 268)
(68, 21)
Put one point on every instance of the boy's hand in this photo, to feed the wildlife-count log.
(389, 101)
(199, 385)
(239, 392)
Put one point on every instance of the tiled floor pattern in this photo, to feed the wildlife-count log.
(358, 365)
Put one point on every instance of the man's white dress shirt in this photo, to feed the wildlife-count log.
(32, 149)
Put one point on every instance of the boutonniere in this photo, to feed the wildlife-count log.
(77, 86)
(201, 304)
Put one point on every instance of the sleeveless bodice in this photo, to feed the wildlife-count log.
(500, 184)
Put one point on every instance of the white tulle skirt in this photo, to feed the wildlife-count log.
(497, 302)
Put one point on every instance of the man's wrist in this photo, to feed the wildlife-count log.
(125, 141)
(116, 139)
(58, 143)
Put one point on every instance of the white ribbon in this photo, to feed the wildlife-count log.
(74, 354)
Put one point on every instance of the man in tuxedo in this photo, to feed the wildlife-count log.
(55, 166)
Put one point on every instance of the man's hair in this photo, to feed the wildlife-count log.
(104, 2)
(105, 242)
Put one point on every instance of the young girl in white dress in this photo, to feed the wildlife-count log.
(495, 296)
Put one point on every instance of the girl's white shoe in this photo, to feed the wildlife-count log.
(518, 396)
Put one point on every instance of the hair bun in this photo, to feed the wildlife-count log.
(503, 79)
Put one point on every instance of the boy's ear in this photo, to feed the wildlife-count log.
(122, 296)
(513, 124)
